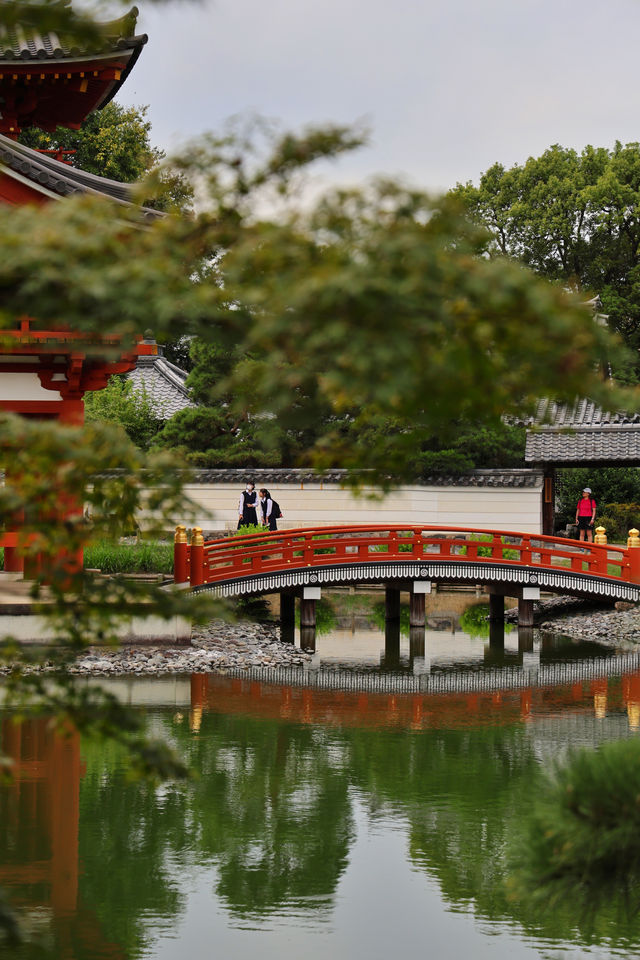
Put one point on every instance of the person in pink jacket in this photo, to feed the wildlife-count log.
(586, 515)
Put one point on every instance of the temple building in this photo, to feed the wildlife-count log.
(46, 82)
(161, 382)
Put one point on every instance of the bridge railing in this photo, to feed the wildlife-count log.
(236, 557)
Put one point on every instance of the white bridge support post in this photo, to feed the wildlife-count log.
(417, 605)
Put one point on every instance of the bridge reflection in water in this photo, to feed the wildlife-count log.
(488, 698)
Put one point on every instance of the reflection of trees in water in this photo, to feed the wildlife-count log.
(282, 821)
(463, 794)
(271, 809)
(126, 830)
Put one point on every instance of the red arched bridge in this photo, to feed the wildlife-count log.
(402, 556)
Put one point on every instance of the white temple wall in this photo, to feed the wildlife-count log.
(326, 504)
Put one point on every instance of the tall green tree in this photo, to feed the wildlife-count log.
(115, 142)
(574, 218)
(132, 409)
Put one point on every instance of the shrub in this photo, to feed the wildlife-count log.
(618, 519)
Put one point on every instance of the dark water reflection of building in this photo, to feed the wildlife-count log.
(39, 843)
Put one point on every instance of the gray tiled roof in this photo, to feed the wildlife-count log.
(59, 178)
(582, 433)
(476, 478)
(22, 43)
(163, 383)
(607, 444)
(583, 413)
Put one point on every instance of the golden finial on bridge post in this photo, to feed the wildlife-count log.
(180, 534)
(633, 540)
(197, 540)
(601, 536)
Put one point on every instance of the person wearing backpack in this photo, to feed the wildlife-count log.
(586, 515)
(269, 509)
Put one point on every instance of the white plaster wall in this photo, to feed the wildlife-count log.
(306, 505)
(25, 386)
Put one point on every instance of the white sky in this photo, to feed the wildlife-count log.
(447, 87)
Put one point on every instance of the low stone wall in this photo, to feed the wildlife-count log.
(499, 500)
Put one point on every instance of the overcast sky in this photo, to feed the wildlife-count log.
(447, 87)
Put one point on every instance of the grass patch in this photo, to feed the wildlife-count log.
(146, 557)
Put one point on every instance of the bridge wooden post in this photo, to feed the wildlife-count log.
(525, 638)
(525, 613)
(308, 639)
(287, 617)
(391, 603)
(496, 608)
(525, 605)
(417, 604)
(287, 608)
(196, 567)
(496, 636)
(391, 658)
(308, 606)
(416, 643)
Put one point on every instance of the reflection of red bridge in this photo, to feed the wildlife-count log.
(510, 563)
(268, 701)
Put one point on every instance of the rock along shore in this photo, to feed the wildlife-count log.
(218, 646)
(614, 626)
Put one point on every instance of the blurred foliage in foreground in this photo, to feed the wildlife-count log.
(582, 838)
(375, 308)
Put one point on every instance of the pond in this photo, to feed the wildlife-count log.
(326, 819)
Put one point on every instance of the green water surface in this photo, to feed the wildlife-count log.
(319, 828)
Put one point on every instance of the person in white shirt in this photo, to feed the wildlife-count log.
(267, 514)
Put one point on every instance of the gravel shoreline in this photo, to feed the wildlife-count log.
(582, 620)
(221, 645)
(218, 646)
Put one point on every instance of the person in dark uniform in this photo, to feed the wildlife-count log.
(267, 513)
(247, 507)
